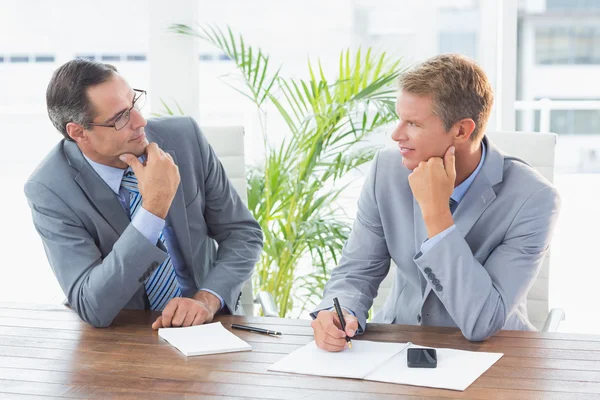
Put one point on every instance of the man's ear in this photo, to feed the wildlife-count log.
(76, 132)
(463, 130)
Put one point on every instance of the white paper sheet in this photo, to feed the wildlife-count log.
(364, 357)
(203, 339)
(386, 362)
(456, 369)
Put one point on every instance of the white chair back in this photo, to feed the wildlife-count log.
(228, 144)
(537, 149)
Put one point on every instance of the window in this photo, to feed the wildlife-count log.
(136, 57)
(573, 4)
(575, 122)
(572, 122)
(19, 59)
(574, 45)
(44, 58)
(111, 57)
(86, 56)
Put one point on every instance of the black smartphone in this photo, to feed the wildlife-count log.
(421, 358)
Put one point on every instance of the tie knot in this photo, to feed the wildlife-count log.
(129, 181)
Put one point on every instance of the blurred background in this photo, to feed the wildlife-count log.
(542, 56)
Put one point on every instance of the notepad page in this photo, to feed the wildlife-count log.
(203, 339)
(456, 369)
(364, 357)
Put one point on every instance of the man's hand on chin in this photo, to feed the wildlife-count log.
(183, 311)
(432, 184)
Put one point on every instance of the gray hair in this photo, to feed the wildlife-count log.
(66, 95)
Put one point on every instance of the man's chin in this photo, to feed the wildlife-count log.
(140, 150)
(409, 164)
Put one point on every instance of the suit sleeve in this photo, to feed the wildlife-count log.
(365, 260)
(233, 227)
(480, 298)
(96, 288)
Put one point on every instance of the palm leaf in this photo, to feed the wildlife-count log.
(294, 193)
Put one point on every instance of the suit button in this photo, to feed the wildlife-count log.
(431, 276)
(439, 288)
(435, 282)
(419, 318)
(427, 270)
(154, 265)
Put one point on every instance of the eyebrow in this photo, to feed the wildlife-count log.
(118, 113)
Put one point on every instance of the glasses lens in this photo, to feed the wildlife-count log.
(122, 120)
(140, 101)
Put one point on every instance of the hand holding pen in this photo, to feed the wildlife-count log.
(340, 314)
(328, 332)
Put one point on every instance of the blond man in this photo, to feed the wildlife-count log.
(466, 225)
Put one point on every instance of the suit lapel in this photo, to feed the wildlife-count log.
(477, 199)
(177, 216)
(481, 193)
(97, 191)
(177, 219)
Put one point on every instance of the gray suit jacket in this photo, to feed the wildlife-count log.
(477, 277)
(101, 260)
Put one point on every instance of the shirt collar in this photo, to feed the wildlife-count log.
(460, 191)
(112, 176)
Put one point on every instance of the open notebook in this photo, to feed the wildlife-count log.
(203, 339)
(386, 362)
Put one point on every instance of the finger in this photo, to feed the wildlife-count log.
(351, 325)
(328, 325)
(158, 323)
(334, 342)
(330, 347)
(199, 319)
(179, 316)
(449, 163)
(325, 341)
(152, 150)
(189, 318)
(169, 312)
(132, 161)
(329, 315)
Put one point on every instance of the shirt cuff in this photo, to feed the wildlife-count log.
(360, 329)
(148, 224)
(429, 243)
(349, 311)
(216, 294)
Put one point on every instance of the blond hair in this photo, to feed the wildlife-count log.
(458, 88)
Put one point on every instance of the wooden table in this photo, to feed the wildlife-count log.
(47, 352)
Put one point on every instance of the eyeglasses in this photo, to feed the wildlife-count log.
(121, 120)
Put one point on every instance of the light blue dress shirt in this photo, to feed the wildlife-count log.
(457, 195)
(150, 226)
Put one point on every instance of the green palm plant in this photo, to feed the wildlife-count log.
(293, 193)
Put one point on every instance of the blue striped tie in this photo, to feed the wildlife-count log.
(453, 204)
(162, 285)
